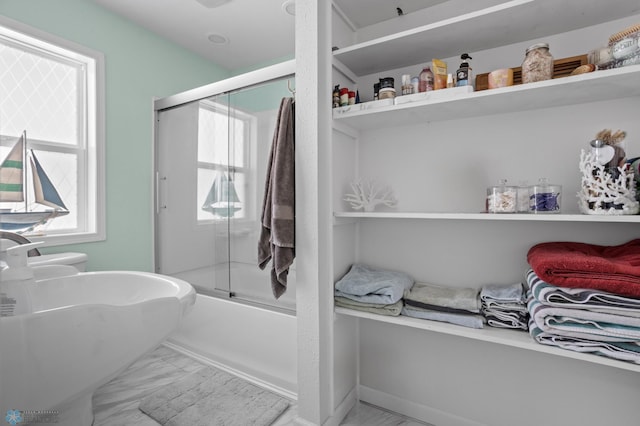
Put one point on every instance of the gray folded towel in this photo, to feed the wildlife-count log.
(504, 293)
(446, 297)
(370, 285)
(277, 235)
(465, 320)
(507, 320)
(374, 308)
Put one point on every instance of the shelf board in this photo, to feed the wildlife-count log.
(492, 216)
(592, 87)
(518, 339)
(515, 21)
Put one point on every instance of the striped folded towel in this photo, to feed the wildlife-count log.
(582, 298)
(584, 324)
(622, 351)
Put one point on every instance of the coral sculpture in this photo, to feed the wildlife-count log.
(608, 185)
(369, 194)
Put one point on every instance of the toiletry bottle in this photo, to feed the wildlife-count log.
(16, 281)
(449, 81)
(464, 75)
(407, 88)
(415, 82)
(336, 96)
(426, 80)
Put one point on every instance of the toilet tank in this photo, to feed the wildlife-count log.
(77, 260)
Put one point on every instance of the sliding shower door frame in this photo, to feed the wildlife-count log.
(221, 88)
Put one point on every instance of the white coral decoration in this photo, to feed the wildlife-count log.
(601, 193)
(367, 195)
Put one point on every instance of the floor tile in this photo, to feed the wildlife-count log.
(116, 403)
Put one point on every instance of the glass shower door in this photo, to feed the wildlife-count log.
(211, 158)
(190, 244)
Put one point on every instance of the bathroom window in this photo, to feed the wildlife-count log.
(224, 135)
(51, 90)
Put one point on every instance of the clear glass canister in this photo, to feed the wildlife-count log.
(545, 197)
(537, 64)
(502, 198)
(523, 197)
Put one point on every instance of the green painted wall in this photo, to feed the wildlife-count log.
(139, 66)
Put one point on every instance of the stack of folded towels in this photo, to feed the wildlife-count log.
(586, 297)
(505, 306)
(459, 306)
(368, 289)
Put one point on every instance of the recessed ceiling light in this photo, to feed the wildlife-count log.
(289, 7)
(217, 39)
(212, 3)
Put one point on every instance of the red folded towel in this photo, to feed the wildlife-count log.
(615, 269)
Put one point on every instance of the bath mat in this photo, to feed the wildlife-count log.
(213, 397)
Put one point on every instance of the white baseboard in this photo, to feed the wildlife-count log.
(266, 385)
(342, 409)
(412, 409)
(339, 413)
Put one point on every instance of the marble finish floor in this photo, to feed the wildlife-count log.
(116, 403)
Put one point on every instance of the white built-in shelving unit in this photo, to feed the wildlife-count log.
(597, 86)
(515, 338)
(492, 27)
(502, 23)
(526, 217)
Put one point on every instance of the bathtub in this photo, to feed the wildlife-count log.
(256, 342)
(84, 330)
(248, 282)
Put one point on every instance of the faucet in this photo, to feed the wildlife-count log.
(19, 239)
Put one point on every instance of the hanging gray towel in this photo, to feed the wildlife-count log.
(277, 235)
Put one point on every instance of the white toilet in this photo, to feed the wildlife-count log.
(77, 260)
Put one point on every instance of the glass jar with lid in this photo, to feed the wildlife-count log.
(545, 197)
(502, 198)
(537, 64)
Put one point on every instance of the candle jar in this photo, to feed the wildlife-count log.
(502, 198)
(537, 64)
(544, 197)
(344, 96)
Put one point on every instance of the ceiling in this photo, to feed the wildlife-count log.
(256, 31)
(363, 13)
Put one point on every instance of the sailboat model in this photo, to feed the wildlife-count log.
(222, 199)
(13, 189)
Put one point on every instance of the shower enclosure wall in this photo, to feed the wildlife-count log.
(212, 150)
